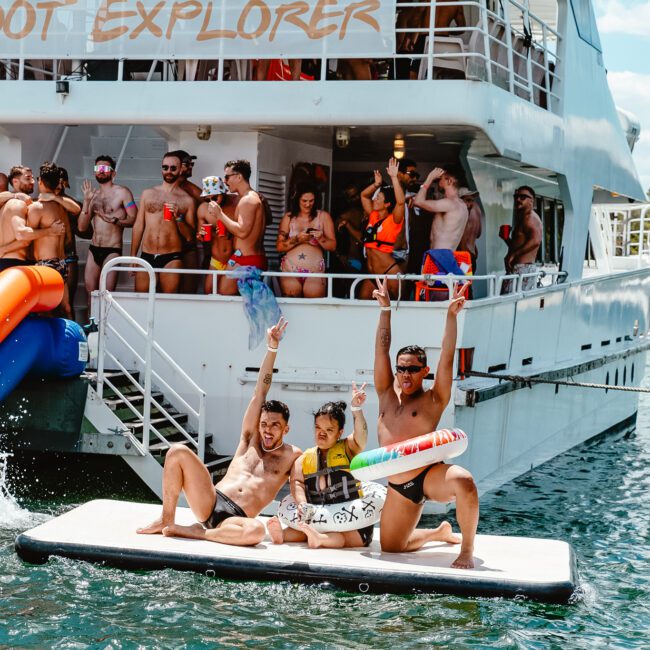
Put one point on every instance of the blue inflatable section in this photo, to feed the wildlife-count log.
(45, 347)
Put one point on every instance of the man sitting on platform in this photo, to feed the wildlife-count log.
(259, 468)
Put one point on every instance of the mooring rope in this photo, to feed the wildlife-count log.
(528, 381)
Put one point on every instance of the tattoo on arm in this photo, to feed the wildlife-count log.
(267, 379)
(384, 337)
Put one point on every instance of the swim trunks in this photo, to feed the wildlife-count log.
(217, 265)
(224, 508)
(71, 258)
(258, 261)
(161, 260)
(366, 534)
(100, 253)
(413, 489)
(8, 262)
(56, 263)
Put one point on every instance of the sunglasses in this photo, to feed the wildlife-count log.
(227, 176)
(171, 168)
(410, 369)
(413, 174)
(103, 169)
(523, 196)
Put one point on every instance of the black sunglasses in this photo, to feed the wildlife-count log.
(171, 168)
(413, 174)
(410, 369)
(227, 176)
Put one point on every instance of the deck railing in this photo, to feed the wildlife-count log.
(502, 43)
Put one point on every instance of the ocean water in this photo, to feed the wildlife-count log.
(595, 496)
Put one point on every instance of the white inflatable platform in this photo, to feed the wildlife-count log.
(103, 531)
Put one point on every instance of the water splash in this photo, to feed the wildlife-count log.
(11, 514)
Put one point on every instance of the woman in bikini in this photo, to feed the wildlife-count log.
(383, 205)
(305, 234)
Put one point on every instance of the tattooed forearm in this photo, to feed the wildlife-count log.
(267, 379)
(384, 337)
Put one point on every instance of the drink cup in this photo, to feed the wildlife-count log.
(206, 232)
(221, 229)
(504, 231)
(169, 209)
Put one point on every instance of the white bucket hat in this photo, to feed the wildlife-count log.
(213, 185)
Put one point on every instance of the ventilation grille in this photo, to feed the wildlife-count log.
(273, 187)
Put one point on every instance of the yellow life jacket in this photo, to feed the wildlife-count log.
(340, 484)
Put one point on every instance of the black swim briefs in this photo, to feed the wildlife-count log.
(224, 508)
(413, 490)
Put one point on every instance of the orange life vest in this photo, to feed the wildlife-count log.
(382, 233)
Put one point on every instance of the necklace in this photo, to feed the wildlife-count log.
(273, 449)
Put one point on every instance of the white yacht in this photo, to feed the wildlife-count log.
(517, 95)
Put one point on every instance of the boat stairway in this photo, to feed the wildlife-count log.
(123, 397)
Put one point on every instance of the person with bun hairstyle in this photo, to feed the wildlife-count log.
(321, 475)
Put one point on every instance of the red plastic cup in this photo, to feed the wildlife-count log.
(504, 231)
(169, 210)
(221, 229)
(206, 232)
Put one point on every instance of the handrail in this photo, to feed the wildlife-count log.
(107, 302)
(518, 79)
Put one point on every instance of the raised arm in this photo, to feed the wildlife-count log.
(384, 377)
(420, 199)
(356, 442)
(366, 195)
(400, 200)
(441, 392)
(83, 223)
(251, 419)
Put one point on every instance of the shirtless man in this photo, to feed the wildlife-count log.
(162, 239)
(221, 248)
(21, 179)
(526, 237)
(474, 225)
(16, 236)
(109, 209)
(406, 411)
(50, 250)
(4, 182)
(259, 468)
(189, 282)
(449, 213)
(248, 224)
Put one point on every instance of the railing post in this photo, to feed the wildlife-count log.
(487, 46)
(202, 416)
(151, 308)
(511, 69)
(101, 348)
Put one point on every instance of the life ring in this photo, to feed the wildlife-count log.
(339, 517)
(408, 454)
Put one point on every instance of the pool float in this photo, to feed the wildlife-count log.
(338, 517)
(408, 454)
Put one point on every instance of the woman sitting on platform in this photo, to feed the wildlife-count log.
(320, 476)
(305, 234)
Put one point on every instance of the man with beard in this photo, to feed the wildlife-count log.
(408, 177)
(110, 209)
(21, 179)
(42, 214)
(249, 222)
(166, 212)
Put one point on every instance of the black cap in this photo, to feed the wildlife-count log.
(182, 155)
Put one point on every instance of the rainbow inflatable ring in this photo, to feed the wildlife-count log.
(408, 454)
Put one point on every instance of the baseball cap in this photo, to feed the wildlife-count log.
(183, 155)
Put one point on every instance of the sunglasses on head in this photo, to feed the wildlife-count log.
(103, 169)
(523, 196)
(171, 168)
(410, 369)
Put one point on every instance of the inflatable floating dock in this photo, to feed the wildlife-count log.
(103, 531)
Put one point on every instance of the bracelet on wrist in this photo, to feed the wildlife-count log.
(354, 409)
(270, 349)
(385, 309)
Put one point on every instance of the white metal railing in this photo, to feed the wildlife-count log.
(506, 44)
(107, 303)
(625, 229)
(493, 282)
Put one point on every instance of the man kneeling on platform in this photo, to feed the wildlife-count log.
(259, 468)
(407, 410)
(320, 476)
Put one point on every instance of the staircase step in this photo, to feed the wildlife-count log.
(115, 402)
(136, 427)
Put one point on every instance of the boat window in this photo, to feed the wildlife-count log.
(552, 213)
(586, 22)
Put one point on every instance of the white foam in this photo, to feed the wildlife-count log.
(11, 514)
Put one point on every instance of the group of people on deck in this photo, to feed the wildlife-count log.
(264, 461)
(387, 228)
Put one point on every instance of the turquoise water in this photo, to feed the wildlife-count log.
(595, 497)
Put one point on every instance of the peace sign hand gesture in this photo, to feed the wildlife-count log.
(274, 334)
(380, 294)
(458, 298)
(358, 394)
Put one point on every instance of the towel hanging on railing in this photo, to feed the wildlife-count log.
(260, 306)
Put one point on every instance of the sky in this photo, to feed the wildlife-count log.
(624, 27)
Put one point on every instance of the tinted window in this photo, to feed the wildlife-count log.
(586, 22)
